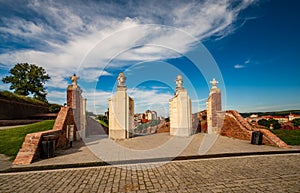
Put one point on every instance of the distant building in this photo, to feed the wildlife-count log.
(254, 116)
(151, 115)
(144, 117)
(292, 117)
(280, 119)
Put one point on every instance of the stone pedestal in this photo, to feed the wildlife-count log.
(74, 101)
(214, 109)
(78, 105)
(180, 113)
(121, 114)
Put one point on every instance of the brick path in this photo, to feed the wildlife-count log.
(276, 173)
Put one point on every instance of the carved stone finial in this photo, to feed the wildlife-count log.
(214, 83)
(74, 79)
(179, 81)
(121, 79)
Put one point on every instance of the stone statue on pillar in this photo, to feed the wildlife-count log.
(178, 82)
(121, 82)
(121, 79)
(74, 79)
(121, 112)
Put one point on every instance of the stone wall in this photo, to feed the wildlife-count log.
(11, 109)
(32, 145)
(237, 127)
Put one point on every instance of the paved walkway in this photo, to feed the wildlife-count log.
(148, 149)
(10, 127)
(273, 173)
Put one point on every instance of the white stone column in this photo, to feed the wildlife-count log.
(121, 112)
(180, 111)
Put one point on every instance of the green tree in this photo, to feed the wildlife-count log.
(296, 122)
(264, 122)
(275, 123)
(54, 108)
(267, 123)
(28, 79)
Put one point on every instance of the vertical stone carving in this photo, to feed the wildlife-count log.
(180, 111)
(121, 112)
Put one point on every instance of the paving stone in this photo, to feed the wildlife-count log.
(273, 173)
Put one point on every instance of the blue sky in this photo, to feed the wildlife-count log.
(251, 47)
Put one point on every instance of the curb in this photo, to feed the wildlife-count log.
(137, 161)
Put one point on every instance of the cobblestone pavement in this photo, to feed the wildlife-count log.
(273, 173)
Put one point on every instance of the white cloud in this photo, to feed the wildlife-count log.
(97, 101)
(244, 65)
(58, 97)
(239, 66)
(4, 86)
(62, 35)
(159, 87)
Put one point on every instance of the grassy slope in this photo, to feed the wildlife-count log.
(11, 139)
(103, 123)
(291, 137)
(15, 97)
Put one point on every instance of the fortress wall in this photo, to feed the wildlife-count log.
(10, 109)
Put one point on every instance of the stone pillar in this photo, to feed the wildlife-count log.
(180, 111)
(74, 101)
(83, 118)
(214, 109)
(121, 112)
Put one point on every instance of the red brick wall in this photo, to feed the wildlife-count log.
(236, 126)
(31, 147)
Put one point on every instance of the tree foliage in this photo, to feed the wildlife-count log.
(28, 79)
(54, 108)
(296, 122)
(267, 123)
(103, 118)
(264, 122)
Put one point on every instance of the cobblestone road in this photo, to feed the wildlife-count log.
(275, 173)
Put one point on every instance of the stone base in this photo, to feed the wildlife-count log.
(117, 134)
(181, 132)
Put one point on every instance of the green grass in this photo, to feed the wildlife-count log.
(290, 137)
(12, 96)
(103, 123)
(11, 140)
